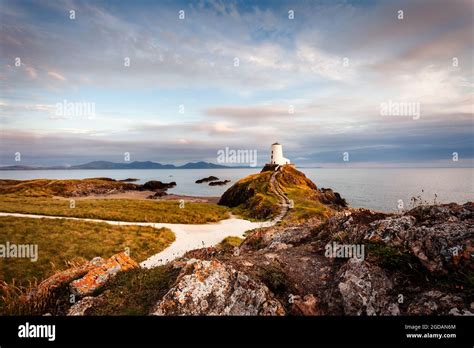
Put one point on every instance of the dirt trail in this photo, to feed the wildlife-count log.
(285, 202)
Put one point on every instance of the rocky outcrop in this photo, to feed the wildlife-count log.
(129, 180)
(219, 183)
(208, 179)
(155, 185)
(213, 288)
(101, 273)
(439, 236)
(260, 195)
(328, 196)
(78, 188)
(366, 289)
(435, 302)
(52, 293)
(415, 263)
(408, 265)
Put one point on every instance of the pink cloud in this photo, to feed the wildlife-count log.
(56, 76)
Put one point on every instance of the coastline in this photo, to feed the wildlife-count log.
(143, 195)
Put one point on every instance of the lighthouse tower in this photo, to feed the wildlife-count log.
(276, 156)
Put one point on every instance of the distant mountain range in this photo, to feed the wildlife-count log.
(131, 165)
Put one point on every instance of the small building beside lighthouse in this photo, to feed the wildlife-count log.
(276, 156)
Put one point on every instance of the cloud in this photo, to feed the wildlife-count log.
(57, 76)
(31, 72)
(255, 113)
(283, 65)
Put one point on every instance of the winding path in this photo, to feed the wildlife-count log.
(188, 236)
(285, 203)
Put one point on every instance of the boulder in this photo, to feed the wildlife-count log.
(365, 290)
(50, 293)
(441, 237)
(99, 275)
(209, 178)
(213, 288)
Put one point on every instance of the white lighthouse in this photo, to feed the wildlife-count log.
(276, 156)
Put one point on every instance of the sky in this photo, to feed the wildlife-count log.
(337, 83)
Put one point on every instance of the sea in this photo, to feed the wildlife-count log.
(381, 189)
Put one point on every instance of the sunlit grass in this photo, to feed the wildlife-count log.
(117, 209)
(60, 241)
(305, 205)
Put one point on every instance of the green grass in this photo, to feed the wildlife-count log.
(252, 197)
(117, 209)
(305, 206)
(229, 243)
(60, 241)
(136, 291)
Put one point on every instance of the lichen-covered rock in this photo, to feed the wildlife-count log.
(392, 231)
(100, 274)
(212, 288)
(50, 294)
(435, 302)
(439, 236)
(80, 308)
(365, 290)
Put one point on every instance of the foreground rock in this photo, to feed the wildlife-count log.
(441, 237)
(101, 273)
(415, 263)
(213, 288)
(366, 290)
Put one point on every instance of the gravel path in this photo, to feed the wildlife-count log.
(188, 236)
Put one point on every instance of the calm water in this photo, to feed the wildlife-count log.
(372, 188)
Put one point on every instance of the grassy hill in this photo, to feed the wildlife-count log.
(254, 197)
(63, 187)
